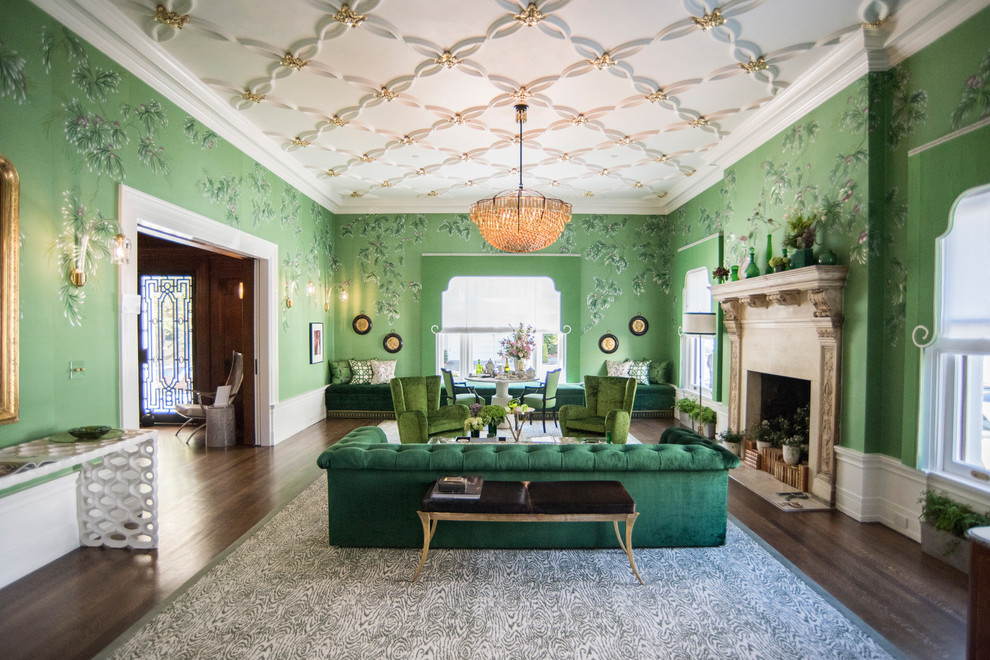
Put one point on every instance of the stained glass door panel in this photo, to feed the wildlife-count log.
(166, 342)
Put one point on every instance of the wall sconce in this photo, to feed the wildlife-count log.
(310, 288)
(342, 290)
(93, 242)
(289, 288)
(120, 250)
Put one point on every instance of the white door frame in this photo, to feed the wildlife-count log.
(140, 210)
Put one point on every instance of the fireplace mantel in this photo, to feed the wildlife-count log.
(789, 324)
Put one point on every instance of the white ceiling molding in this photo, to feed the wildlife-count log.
(119, 40)
(597, 131)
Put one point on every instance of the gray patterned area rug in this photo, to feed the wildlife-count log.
(282, 592)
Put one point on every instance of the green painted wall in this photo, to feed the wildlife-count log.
(76, 124)
(849, 157)
(624, 271)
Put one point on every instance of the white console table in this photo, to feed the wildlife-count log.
(116, 488)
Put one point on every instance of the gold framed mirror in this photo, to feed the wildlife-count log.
(10, 241)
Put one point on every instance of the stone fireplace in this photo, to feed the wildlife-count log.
(788, 325)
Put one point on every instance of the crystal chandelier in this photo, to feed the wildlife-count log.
(520, 220)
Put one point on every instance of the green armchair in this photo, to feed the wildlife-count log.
(458, 392)
(607, 409)
(418, 412)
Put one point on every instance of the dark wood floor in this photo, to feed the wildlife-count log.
(78, 604)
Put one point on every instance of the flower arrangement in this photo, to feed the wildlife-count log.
(492, 415)
(520, 344)
(801, 230)
(474, 424)
(475, 408)
(779, 263)
(720, 273)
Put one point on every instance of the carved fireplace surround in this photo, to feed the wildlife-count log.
(789, 324)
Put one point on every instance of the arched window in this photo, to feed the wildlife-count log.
(955, 398)
(478, 311)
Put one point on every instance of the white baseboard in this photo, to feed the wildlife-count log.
(293, 415)
(39, 525)
(879, 488)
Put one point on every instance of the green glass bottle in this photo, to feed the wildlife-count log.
(608, 437)
(752, 270)
(769, 253)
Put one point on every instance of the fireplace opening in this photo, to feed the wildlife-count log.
(781, 396)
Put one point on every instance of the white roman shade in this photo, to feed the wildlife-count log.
(492, 304)
(963, 291)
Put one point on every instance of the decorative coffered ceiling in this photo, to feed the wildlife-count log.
(407, 104)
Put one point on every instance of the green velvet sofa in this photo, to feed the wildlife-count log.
(374, 489)
(375, 401)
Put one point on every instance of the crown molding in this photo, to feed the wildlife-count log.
(119, 39)
(924, 21)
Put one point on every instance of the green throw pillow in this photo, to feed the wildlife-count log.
(340, 372)
(361, 372)
(640, 370)
(660, 371)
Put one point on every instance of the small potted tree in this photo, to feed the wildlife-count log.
(731, 440)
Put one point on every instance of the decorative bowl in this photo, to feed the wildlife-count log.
(88, 432)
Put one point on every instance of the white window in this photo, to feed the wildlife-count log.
(697, 300)
(955, 398)
(477, 313)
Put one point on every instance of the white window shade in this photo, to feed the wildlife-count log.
(697, 296)
(492, 304)
(964, 296)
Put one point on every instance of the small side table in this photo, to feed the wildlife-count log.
(516, 421)
(220, 426)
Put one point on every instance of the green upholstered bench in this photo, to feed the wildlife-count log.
(375, 489)
(375, 401)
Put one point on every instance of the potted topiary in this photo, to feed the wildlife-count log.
(793, 446)
(944, 523)
(731, 440)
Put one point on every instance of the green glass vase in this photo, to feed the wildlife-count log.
(752, 270)
(769, 254)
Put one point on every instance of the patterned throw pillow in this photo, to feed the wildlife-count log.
(618, 368)
(640, 370)
(361, 372)
(382, 371)
(340, 372)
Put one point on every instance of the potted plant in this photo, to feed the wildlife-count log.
(473, 425)
(763, 434)
(731, 440)
(800, 236)
(686, 408)
(492, 416)
(705, 418)
(793, 446)
(779, 263)
(944, 523)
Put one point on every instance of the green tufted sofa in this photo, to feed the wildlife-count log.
(374, 489)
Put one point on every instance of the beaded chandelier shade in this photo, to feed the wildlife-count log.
(520, 220)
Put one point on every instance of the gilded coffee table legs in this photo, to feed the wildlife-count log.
(429, 529)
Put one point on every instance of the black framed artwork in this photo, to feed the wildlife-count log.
(392, 342)
(608, 343)
(361, 324)
(638, 325)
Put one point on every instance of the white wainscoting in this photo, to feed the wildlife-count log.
(879, 488)
(39, 526)
(291, 416)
